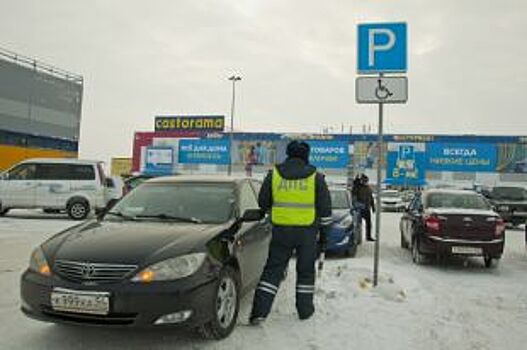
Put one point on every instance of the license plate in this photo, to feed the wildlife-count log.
(467, 250)
(85, 302)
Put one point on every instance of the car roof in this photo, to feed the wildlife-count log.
(198, 179)
(60, 161)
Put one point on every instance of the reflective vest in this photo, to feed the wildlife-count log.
(293, 201)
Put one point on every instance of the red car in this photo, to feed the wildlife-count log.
(452, 222)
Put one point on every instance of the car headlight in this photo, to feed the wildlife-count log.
(345, 223)
(171, 269)
(503, 208)
(38, 262)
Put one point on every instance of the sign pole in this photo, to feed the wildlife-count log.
(378, 204)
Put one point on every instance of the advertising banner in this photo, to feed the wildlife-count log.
(406, 164)
(463, 157)
(204, 151)
(258, 152)
(329, 154)
(204, 123)
(512, 158)
(159, 160)
(366, 154)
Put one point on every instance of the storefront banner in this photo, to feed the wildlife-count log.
(203, 151)
(329, 154)
(406, 164)
(159, 160)
(462, 157)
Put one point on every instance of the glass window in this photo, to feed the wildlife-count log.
(247, 198)
(208, 203)
(456, 200)
(81, 172)
(23, 172)
(510, 193)
(339, 200)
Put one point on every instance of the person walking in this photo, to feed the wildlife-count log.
(298, 199)
(362, 197)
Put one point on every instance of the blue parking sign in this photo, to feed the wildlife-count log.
(381, 48)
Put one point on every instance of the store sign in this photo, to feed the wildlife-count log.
(462, 157)
(159, 160)
(205, 123)
(203, 151)
(406, 164)
(329, 154)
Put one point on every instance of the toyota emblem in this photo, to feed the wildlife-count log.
(87, 271)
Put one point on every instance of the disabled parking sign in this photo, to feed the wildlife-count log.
(381, 48)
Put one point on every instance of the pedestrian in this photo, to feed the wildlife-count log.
(298, 199)
(250, 161)
(362, 197)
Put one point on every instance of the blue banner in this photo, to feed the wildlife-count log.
(406, 165)
(329, 154)
(159, 160)
(462, 157)
(204, 151)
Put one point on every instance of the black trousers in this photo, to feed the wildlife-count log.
(366, 215)
(284, 242)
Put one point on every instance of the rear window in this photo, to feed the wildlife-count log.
(511, 193)
(456, 200)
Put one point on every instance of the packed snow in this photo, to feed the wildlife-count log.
(458, 304)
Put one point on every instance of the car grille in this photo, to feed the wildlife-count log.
(92, 272)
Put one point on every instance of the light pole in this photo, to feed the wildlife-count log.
(234, 79)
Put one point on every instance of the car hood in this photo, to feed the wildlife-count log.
(130, 242)
(339, 214)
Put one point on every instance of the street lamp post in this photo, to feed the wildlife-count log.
(234, 79)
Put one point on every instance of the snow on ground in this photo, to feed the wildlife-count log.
(455, 305)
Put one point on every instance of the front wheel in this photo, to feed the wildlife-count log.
(78, 209)
(351, 249)
(226, 306)
(489, 261)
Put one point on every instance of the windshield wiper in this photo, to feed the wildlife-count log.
(121, 215)
(172, 217)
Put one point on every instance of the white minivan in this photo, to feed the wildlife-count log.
(77, 186)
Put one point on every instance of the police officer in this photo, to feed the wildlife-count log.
(297, 197)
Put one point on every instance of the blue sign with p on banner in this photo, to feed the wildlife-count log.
(462, 157)
(405, 164)
(328, 154)
(204, 151)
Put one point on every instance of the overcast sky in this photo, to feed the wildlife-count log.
(467, 62)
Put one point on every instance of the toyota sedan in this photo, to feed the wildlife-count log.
(175, 251)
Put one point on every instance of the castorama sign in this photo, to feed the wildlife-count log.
(461, 157)
(328, 154)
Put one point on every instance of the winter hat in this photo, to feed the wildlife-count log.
(297, 149)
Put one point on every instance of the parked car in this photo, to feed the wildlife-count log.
(452, 222)
(341, 237)
(175, 251)
(511, 203)
(135, 180)
(76, 186)
(392, 200)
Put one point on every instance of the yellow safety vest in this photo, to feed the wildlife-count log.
(293, 201)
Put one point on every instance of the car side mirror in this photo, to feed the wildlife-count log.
(252, 215)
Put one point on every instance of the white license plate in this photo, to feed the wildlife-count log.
(467, 250)
(85, 302)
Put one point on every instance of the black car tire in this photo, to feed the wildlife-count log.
(490, 261)
(78, 209)
(417, 257)
(219, 328)
(3, 211)
(351, 249)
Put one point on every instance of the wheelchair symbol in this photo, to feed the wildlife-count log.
(382, 92)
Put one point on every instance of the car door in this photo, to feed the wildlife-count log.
(407, 218)
(52, 185)
(20, 186)
(250, 239)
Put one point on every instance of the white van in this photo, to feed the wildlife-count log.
(76, 186)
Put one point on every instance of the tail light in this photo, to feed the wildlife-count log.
(432, 223)
(500, 227)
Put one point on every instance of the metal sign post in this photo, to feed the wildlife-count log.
(381, 49)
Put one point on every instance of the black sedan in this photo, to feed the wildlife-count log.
(452, 222)
(175, 251)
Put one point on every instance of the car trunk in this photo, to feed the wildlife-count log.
(466, 224)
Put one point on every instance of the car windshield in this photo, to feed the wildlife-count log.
(456, 200)
(512, 193)
(190, 202)
(339, 200)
